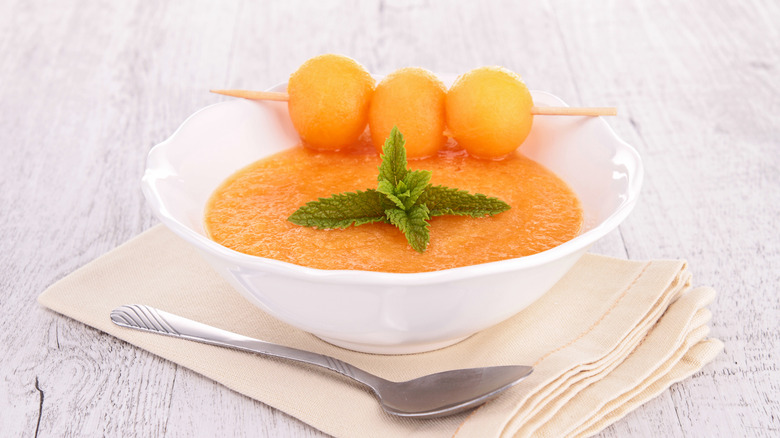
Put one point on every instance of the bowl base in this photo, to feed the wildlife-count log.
(392, 349)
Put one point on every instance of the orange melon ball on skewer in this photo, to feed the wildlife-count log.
(412, 99)
(328, 101)
(489, 112)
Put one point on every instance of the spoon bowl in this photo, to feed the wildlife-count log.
(448, 392)
(434, 395)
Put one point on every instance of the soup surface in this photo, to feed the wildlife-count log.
(249, 211)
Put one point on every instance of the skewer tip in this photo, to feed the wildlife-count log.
(573, 111)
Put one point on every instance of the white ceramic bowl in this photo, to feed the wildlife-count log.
(378, 312)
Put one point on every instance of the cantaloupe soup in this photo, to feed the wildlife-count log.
(248, 212)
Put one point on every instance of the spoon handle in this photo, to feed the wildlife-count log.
(145, 318)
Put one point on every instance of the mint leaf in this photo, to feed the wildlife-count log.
(386, 188)
(442, 200)
(343, 210)
(398, 183)
(416, 182)
(393, 167)
(413, 223)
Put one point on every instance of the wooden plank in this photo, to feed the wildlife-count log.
(89, 87)
(701, 127)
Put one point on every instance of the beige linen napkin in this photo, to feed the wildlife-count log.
(609, 336)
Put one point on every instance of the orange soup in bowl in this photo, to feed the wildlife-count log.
(248, 212)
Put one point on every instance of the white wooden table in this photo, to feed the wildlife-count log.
(88, 87)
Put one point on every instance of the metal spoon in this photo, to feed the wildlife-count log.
(434, 395)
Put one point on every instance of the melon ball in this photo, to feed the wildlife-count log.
(412, 99)
(489, 112)
(329, 98)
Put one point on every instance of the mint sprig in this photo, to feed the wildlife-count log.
(343, 210)
(403, 197)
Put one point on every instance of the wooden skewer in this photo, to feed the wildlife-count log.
(536, 110)
(573, 111)
(255, 95)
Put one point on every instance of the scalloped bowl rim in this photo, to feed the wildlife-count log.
(580, 242)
